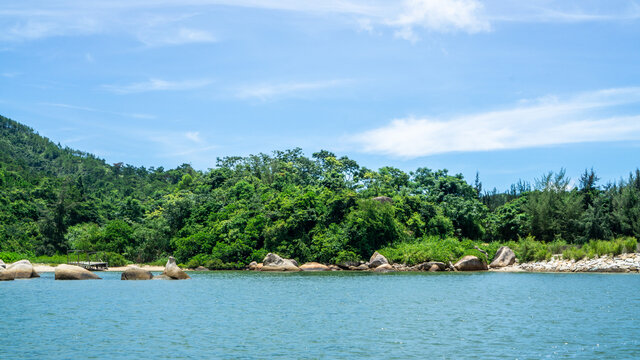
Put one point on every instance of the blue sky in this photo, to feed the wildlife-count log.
(509, 89)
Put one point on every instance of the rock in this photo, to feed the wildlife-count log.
(314, 266)
(470, 263)
(347, 264)
(6, 275)
(201, 268)
(434, 268)
(383, 199)
(72, 272)
(273, 262)
(428, 265)
(377, 260)
(294, 262)
(360, 267)
(335, 268)
(2, 264)
(253, 265)
(173, 271)
(384, 268)
(504, 257)
(22, 270)
(136, 273)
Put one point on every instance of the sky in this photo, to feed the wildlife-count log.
(508, 89)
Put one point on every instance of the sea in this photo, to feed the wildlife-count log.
(331, 315)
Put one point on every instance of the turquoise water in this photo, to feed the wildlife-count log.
(248, 315)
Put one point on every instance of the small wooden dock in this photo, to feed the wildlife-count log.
(86, 259)
(90, 265)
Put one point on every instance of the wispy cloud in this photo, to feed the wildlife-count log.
(176, 37)
(157, 85)
(586, 117)
(270, 91)
(89, 109)
(179, 143)
(178, 22)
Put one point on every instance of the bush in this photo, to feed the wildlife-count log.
(11, 257)
(432, 249)
(574, 253)
(113, 259)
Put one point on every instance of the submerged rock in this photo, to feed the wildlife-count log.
(136, 273)
(470, 263)
(273, 262)
(22, 269)
(314, 266)
(72, 272)
(173, 271)
(504, 257)
(377, 260)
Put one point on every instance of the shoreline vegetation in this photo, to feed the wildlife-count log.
(322, 209)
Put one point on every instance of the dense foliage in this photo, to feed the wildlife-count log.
(324, 208)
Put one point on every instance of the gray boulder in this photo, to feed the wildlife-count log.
(428, 266)
(22, 270)
(504, 257)
(470, 263)
(72, 272)
(136, 273)
(173, 271)
(377, 260)
(273, 262)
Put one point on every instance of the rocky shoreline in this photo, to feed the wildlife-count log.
(624, 263)
(504, 261)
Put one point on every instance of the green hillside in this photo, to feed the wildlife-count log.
(324, 208)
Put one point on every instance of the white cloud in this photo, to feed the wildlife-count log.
(440, 15)
(176, 37)
(269, 91)
(157, 85)
(193, 136)
(550, 121)
(177, 22)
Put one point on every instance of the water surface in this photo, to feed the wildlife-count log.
(249, 315)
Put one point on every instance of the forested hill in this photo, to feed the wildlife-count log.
(324, 208)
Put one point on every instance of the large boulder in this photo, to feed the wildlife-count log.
(6, 275)
(136, 273)
(72, 272)
(2, 264)
(314, 266)
(377, 259)
(22, 270)
(504, 257)
(384, 268)
(470, 263)
(173, 271)
(273, 262)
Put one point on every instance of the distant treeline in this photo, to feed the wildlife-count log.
(324, 208)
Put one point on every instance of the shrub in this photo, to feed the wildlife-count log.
(11, 257)
(574, 253)
(114, 260)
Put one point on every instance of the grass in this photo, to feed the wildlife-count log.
(435, 249)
